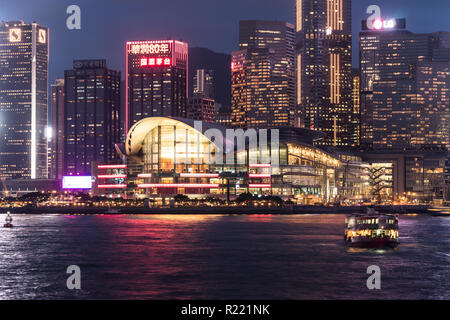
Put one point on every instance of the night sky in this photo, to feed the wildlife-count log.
(108, 24)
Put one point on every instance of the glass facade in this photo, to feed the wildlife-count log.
(24, 50)
(404, 89)
(263, 75)
(168, 157)
(324, 74)
(156, 79)
(92, 115)
(56, 144)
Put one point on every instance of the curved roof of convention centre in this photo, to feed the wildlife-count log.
(139, 131)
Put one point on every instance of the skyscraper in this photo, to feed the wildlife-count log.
(204, 84)
(23, 100)
(263, 75)
(324, 78)
(56, 135)
(157, 83)
(201, 108)
(356, 107)
(405, 83)
(92, 115)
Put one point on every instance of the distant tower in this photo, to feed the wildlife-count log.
(263, 75)
(405, 81)
(156, 79)
(56, 135)
(324, 74)
(24, 52)
(92, 115)
(204, 84)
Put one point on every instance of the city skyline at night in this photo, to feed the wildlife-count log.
(185, 153)
(219, 34)
(277, 82)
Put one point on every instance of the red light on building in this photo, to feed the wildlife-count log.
(178, 185)
(378, 24)
(150, 47)
(156, 62)
(112, 166)
(112, 186)
(112, 176)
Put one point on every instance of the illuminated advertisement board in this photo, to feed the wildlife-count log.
(152, 54)
(77, 182)
(381, 24)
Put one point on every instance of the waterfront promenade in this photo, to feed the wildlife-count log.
(400, 209)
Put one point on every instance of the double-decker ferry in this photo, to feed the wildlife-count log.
(371, 230)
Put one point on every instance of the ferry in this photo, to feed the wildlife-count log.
(371, 230)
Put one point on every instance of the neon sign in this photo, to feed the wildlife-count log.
(379, 24)
(150, 48)
(77, 182)
(155, 62)
(178, 185)
(113, 166)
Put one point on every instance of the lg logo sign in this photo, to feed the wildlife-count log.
(376, 22)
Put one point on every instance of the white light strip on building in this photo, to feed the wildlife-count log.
(33, 104)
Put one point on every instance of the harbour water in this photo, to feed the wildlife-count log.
(217, 257)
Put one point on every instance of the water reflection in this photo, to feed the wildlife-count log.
(217, 257)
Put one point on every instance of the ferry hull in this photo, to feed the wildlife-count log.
(373, 243)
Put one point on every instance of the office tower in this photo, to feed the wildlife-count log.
(324, 76)
(263, 75)
(447, 180)
(157, 81)
(201, 108)
(356, 107)
(56, 131)
(92, 115)
(223, 116)
(433, 105)
(219, 64)
(24, 52)
(204, 84)
(404, 88)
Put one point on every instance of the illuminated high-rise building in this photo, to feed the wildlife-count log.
(324, 74)
(263, 75)
(405, 83)
(204, 84)
(92, 115)
(56, 131)
(24, 52)
(156, 79)
(201, 108)
(356, 107)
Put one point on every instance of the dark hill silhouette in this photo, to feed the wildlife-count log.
(220, 63)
